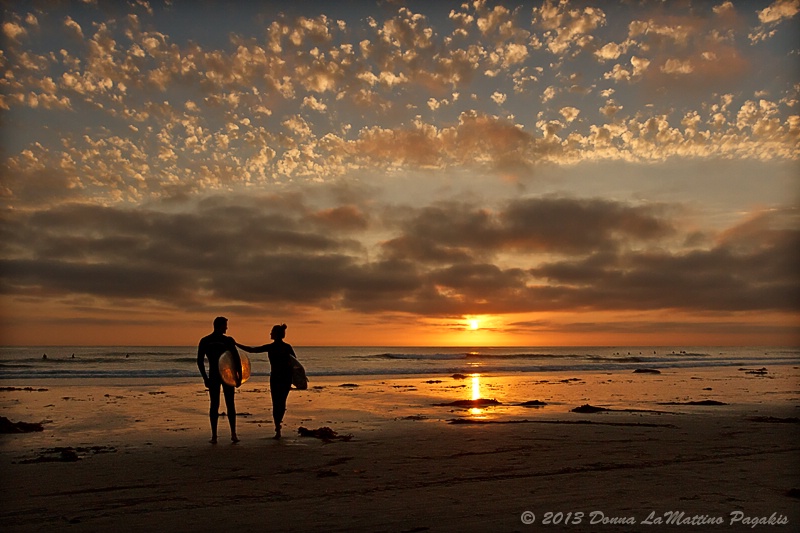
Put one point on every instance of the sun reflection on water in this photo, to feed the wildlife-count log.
(476, 386)
(476, 394)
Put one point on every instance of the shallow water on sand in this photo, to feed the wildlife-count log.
(56, 362)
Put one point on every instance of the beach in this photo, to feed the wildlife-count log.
(705, 449)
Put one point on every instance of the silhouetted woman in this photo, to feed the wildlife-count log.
(280, 375)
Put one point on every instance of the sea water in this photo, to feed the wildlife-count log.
(55, 362)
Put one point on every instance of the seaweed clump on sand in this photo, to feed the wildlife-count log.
(586, 408)
(324, 433)
(533, 403)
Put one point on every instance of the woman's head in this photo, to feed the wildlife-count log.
(278, 331)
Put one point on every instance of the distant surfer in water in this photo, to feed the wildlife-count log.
(280, 376)
(213, 346)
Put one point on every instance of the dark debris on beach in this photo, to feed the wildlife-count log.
(7, 426)
(586, 408)
(533, 403)
(326, 434)
(775, 419)
(757, 372)
(590, 409)
(413, 417)
(67, 454)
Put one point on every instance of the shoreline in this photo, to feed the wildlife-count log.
(143, 459)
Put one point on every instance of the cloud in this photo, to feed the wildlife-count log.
(778, 11)
(346, 217)
(567, 28)
(13, 31)
(312, 103)
(676, 66)
(699, 51)
(719, 279)
(547, 225)
(611, 108)
(771, 17)
(569, 113)
(74, 27)
(621, 73)
(316, 29)
(185, 155)
(445, 259)
(514, 54)
(408, 30)
(609, 51)
(175, 258)
(258, 111)
(494, 19)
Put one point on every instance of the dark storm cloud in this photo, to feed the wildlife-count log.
(345, 217)
(543, 254)
(45, 277)
(576, 226)
(479, 279)
(737, 274)
(216, 251)
(453, 231)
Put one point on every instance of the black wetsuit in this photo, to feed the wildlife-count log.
(213, 346)
(280, 376)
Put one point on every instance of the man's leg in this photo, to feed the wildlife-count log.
(230, 404)
(213, 411)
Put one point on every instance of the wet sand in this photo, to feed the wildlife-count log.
(713, 444)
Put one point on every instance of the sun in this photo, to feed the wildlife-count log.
(474, 324)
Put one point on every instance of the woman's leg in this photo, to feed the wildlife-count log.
(279, 395)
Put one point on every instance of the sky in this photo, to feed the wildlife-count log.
(401, 173)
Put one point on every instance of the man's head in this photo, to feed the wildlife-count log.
(220, 324)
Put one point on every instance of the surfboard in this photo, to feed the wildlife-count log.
(226, 367)
(299, 379)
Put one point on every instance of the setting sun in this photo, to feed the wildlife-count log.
(473, 324)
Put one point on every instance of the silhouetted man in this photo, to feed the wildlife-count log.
(213, 346)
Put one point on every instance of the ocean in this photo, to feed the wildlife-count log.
(179, 362)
